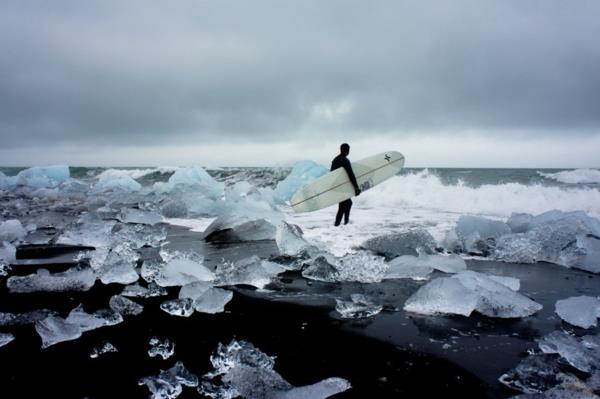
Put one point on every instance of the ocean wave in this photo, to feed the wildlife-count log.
(426, 190)
(577, 176)
(135, 173)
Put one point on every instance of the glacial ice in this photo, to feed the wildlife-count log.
(194, 176)
(249, 271)
(43, 176)
(358, 307)
(121, 183)
(178, 307)
(580, 311)
(567, 238)
(138, 235)
(89, 230)
(12, 230)
(137, 291)
(247, 372)
(124, 306)
(6, 338)
(181, 270)
(468, 291)
(534, 374)
(290, 240)
(173, 208)
(573, 350)
(16, 319)
(164, 348)
(408, 266)
(495, 298)
(101, 350)
(168, 384)
(444, 295)
(131, 215)
(87, 322)
(322, 267)
(303, 173)
(74, 279)
(212, 301)
(194, 290)
(7, 253)
(519, 222)
(119, 266)
(409, 243)
(475, 232)
(361, 266)
(54, 329)
(234, 228)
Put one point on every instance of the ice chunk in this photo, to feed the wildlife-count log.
(178, 307)
(7, 182)
(444, 295)
(233, 228)
(119, 266)
(74, 279)
(6, 339)
(249, 271)
(182, 270)
(89, 230)
(519, 222)
(290, 240)
(7, 252)
(164, 348)
(407, 266)
(137, 291)
(168, 384)
(194, 290)
(322, 268)
(475, 233)
(446, 264)
(130, 215)
(517, 248)
(534, 374)
(358, 307)
(124, 306)
(303, 173)
(495, 298)
(174, 209)
(580, 311)
(54, 329)
(213, 301)
(43, 176)
(87, 322)
(247, 372)
(138, 235)
(510, 282)
(194, 176)
(362, 266)
(16, 319)
(571, 350)
(101, 350)
(12, 230)
(116, 183)
(583, 254)
(409, 243)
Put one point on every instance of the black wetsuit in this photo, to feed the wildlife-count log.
(344, 207)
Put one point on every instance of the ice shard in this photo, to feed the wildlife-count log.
(408, 243)
(74, 279)
(101, 350)
(169, 383)
(290, 240)
(137, 216)
(182, 307)
(358, 307)
(124, 306)
(164, 348)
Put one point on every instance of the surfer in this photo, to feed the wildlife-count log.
(342, 162)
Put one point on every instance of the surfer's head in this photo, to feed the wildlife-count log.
(345, 149)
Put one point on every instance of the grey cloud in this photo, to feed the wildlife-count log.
(115, 72)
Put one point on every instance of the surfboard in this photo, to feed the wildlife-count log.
(335, 186)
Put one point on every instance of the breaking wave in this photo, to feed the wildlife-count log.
(426, 190)
(577, 176)
(135, 173)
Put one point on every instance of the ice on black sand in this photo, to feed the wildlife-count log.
(164, 348)
(169, 383)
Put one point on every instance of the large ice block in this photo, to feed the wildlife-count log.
(182, 270)
(234, 228)
(12, 230)
(43, 176)
(303, 173)
(248, 271)
(87, 322)
(247, 372)
(131, 215)
(212, 301)
(74, 279)
(290, 240)
(571, 349)
(580, 311)
(54, 329)
(409, 243)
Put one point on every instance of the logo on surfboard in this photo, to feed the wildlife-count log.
(387, 157)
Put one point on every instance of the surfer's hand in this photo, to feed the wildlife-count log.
(357, 191)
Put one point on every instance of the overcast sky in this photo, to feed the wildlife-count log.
(513, 83)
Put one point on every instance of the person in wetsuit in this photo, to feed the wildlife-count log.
(342, 162)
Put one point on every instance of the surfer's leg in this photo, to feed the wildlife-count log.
(340, 213)
(347, 211)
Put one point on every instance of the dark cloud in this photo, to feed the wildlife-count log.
(113, 72)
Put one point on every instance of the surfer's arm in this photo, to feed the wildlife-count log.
(350, 173)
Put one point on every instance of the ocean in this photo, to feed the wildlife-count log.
(277, 301)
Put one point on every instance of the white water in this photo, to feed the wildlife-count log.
(576, 176)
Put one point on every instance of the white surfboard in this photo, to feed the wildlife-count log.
(335, 186)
